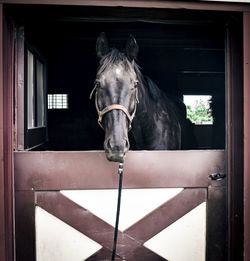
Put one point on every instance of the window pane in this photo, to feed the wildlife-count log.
(40, 94)
(58, 101)
(30, 90)
(199, 109)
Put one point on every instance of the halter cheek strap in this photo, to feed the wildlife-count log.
(114, 106)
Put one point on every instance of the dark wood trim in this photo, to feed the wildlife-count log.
(25, 226)
(8, 132)
(139, 254)
(3, 238)
(217, 222)
(6, 138)
(246, 34)
(65, 170)
(234, 79)
(195, 5)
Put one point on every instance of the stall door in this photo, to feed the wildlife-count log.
(173, 206)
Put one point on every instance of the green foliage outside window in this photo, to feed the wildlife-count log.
(200, 113)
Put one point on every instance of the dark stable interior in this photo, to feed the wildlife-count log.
(182, 51)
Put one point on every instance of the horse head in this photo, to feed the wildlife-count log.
(116, 95)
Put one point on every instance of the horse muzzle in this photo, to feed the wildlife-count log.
(116, 151)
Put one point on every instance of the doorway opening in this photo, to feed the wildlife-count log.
(183, 53)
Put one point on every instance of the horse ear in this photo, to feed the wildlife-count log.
(132, 47)
(102, 45)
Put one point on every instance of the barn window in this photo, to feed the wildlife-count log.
(31, 90)
(58, 101)
(35, 91)
(199, 108)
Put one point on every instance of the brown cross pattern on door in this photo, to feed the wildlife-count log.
(130, 242)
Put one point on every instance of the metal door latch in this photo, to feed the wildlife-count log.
(217, 176)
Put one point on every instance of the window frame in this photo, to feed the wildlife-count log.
(28, 137)
(35, 135)
(36, 58)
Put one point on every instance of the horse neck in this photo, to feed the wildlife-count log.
(145, 116)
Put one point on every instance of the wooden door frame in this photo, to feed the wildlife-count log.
(7, 129)
(246, 61)
(234, 93)
(6, 138)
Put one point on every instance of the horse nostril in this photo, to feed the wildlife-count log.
(126, 144)
(116, 150)
(108, 144)
(121, 146)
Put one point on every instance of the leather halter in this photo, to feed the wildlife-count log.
(112, 107)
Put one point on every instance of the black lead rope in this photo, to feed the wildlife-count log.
(120, 173)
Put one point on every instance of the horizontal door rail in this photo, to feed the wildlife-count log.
(51, 170)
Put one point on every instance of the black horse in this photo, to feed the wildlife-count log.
(125, 99)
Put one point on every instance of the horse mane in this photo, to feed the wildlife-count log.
(154, 91)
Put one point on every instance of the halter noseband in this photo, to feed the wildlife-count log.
(114, 106)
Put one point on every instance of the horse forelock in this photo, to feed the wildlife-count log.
(114, 58)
